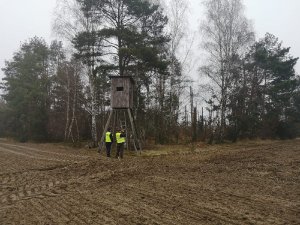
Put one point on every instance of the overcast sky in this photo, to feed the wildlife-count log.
(23, 19)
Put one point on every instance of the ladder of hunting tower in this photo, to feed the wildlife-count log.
(123, 125)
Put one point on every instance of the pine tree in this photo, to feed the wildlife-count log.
(272, 86)
(128, 39)
(27, 86)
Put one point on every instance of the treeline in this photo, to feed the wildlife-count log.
(44, 95)
(253, 86)
(261, 96)
(49, 95)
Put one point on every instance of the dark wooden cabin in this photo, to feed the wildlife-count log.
(122, 92)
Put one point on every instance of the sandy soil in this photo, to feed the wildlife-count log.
(249, 183)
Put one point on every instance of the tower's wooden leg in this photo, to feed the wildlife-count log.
(136, 142)
(101, 142)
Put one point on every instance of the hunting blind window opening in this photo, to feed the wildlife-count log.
(120, 88)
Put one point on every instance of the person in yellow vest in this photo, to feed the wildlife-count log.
(108, 141)
(120, 139)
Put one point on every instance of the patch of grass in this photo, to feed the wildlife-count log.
(158, 150)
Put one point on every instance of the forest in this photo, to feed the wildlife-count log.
(60, 91)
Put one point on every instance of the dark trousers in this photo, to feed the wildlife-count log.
(120, 150)
(108, 148)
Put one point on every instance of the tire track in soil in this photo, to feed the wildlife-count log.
(212, 207)
(143, 194)
(29, 184)
(55, 211)
(109, 209)
(79, 209)
(26, 192)
(116, 202)
(69, 155)
(16, 156)
(19, 159)
(116, 209)
(37, 191)
(244, 201)
(189, 211)
(33, 156)
(44, 209)
(132, 205)
(113, 211)
(222, 201)
(12, 163)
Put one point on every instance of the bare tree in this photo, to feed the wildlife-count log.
(227, 33)
(72, 86)
(178, 10)
(72, 18)
(180, 51)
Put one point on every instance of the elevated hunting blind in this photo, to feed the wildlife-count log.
(122, 92)
(121, 110)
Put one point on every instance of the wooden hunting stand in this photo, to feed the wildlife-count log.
(121, 104)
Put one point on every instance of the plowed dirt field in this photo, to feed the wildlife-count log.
(249, 183)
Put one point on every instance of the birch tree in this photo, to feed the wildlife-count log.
(74, 18)
(177, 14)
(227, 33)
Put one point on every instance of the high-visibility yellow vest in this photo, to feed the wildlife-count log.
(107, 137)
(119, 138)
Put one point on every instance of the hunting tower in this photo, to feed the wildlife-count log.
(121, 92)
(121, 110)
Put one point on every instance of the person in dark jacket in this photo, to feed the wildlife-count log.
(108, 141)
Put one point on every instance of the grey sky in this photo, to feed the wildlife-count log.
(23, 19)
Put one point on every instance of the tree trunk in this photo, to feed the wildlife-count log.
(93, 108)
(73, 111)
(67, 106)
